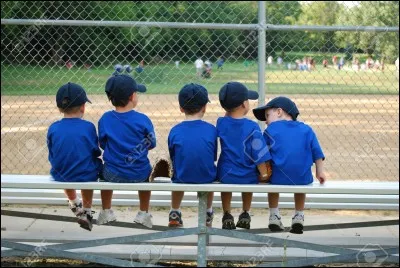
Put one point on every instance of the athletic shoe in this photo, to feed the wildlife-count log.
(297, 224)
(244, 220)
(275, 223)
(209, 219)
(144, 218)
(106, 216)
(76, 208)
(175, 219)
(228, 221)
(85, 220)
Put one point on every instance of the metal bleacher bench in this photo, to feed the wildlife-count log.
(376, 190)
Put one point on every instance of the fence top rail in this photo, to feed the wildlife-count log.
(330, 187)
(189, 25)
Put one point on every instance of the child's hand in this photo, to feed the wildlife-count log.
(321, 177)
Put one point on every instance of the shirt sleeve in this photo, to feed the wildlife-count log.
(171, 146)
(150, 135)
(259, 149)
(49, 145)
(216, 146)
(316, 148)
(94, 141)
(102, 134)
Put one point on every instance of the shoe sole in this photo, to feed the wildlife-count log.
(245, 224)
(275, 228)
(102, 223)
(175, 224)
(85, 225)
(297, 228)
(230, 225)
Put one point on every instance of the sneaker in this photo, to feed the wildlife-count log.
(297, 224)
(144, 218)
(228, 221)
(209, 219)
(106, 216)
(175, 219)
(85, 221)
(275, 223)
(76, 208)
(244, 220)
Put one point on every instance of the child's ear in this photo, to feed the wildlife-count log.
(133, 96)
(182, 111)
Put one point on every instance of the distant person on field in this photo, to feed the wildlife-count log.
(199, 66)
(325, 63)
(220, 63)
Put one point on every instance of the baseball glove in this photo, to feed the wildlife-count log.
(162, 168)
(269, 173)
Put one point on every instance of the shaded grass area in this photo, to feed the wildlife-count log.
(167, 79)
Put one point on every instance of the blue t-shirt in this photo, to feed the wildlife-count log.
(193, 149)
(242, 149)
(294, 148)
(126, 139)
(74, 150)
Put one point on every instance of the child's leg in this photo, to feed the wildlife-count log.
(106, 198)
(226, 199)
(176, 199)
(246, 200)
(210, 199)
(299, 201)
(273, 200)
(144, 199)
(275, 223)
(87, 199)
(71, 195)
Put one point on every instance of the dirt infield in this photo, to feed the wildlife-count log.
(358, 133)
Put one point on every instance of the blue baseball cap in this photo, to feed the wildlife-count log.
(233, 94)
(193, 96)
(284, 103)
(71, 95)
(121, 86)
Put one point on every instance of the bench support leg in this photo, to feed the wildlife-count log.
(203, 235)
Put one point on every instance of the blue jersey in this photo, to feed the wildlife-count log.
(193, 150)
(74, 150)
(242, 149)
(294, 148)
(126, 139)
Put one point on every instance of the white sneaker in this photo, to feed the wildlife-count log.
(76, 208)
(275, 223)
(105, 216)
(144, 218)
(297, 224)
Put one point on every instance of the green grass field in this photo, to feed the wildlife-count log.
(166, 79)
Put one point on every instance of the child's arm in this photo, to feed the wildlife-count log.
(319, 171)
(265, 170)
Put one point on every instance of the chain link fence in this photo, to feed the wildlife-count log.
(344, 79)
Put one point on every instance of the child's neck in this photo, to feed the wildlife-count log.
(124, 109)
(74, 115)
(237, 114)
(192, 117)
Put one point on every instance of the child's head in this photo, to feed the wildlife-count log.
(279, 108)
(234, 97)
(122, 90)
(193, 99)
(71, 99)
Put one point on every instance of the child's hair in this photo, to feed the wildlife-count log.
(118, 102)
(192, 111)
(69, 110)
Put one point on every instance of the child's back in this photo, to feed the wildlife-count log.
(193, 150)
(125, 138)
(294, 149)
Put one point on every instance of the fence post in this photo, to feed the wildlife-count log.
(261, 56)
(202, 236)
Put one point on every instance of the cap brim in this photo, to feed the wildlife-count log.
(88, 100)
(259, 113)
(141, 88)
(252, 95)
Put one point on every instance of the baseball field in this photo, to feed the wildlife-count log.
(355, 114)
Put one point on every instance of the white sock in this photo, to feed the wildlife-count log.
(299, 212)
(75, 201)
(143, 211)
(209, 210)
(88, 210)
(175, 209)
(274, 211)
